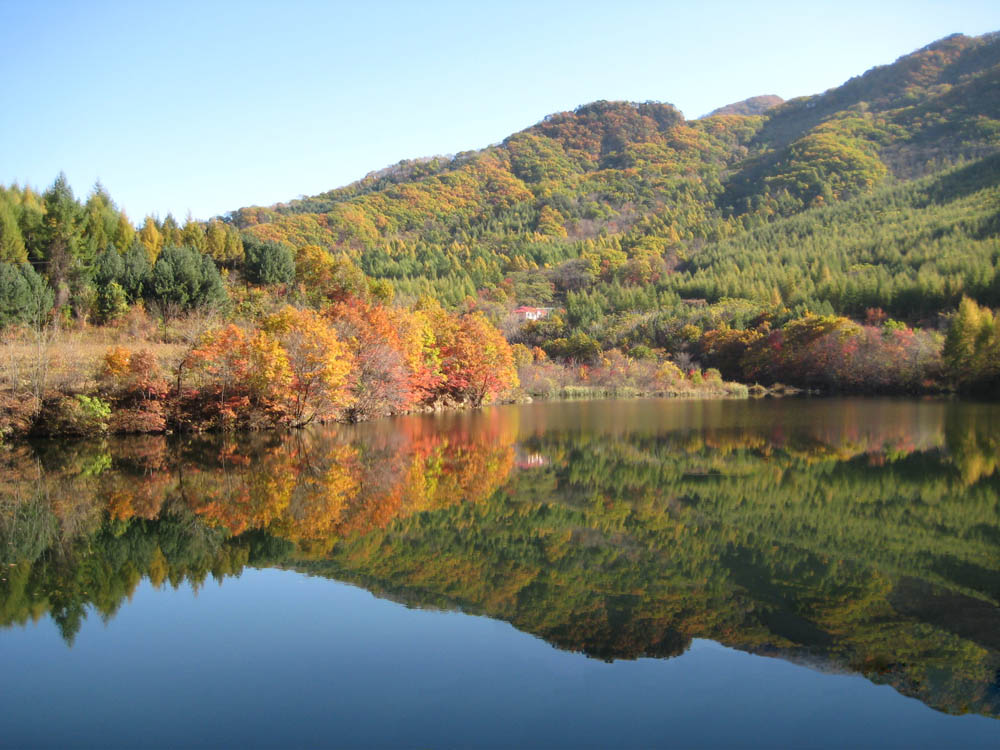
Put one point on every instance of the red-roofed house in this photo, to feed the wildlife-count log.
(532, 313)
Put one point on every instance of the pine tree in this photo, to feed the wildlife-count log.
(124, 233)
(172, 235)
(60, 233)
(193, 234)
(151, 239)
(24, 295)
(12, 249)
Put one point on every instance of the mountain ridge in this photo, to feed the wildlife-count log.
(943, 61)
(755, 105)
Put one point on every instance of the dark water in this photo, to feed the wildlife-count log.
(598, 574)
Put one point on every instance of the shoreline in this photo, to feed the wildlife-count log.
(64, 414)
(724, 391)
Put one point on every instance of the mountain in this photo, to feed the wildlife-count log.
(623, 195)
(755, 105)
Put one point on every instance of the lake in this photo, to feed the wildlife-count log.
(645, 573)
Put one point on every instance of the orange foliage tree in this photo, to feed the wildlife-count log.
(240, 372)
(381, 379)
(476, 360)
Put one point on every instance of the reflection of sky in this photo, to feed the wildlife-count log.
(275, 658)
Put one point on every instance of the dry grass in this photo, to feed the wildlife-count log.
(67, 360)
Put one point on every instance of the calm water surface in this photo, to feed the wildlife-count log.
(599, 574)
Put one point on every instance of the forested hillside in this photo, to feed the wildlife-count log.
(877, 199)
(644, 195)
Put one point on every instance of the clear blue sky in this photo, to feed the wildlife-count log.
(211, 106)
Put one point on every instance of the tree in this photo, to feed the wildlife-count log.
(223, 242)
(171, 232)
(326, 278)
(419, 347)
(24, 295)
(477, 360)
(240, 369)
(136, 273)
(268, 262)
(60, 235)
(108, 267)
(124, 233)
(193, 235)
(12, 249)
(381, 382)
(320, 364)
(112, 302)
(971, 351)
(151, 239)
(186, 278)
(100, 221)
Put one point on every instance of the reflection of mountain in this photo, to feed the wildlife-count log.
(860, 536)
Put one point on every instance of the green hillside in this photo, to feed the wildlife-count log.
(678, 207)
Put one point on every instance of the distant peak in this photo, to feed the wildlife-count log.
(755, 105)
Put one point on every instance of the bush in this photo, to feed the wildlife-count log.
(75, 415)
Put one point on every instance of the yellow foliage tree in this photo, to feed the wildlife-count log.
(319, 362)
(151, 239)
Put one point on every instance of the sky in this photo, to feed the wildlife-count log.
(207, 107)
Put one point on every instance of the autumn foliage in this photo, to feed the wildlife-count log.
(357, 360)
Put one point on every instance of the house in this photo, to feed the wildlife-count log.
(531, 313)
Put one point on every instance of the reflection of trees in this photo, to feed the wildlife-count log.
(82, 524)
(858, 546)
(973, 443)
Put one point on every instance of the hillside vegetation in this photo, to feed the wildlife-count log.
(877, 201)
(644, 195)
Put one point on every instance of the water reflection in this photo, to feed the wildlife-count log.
(850, 535)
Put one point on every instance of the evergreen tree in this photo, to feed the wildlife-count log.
(268, 262)
(112, 302)
(151, 238)
(109, 267)
(186, 278)
(12, 249)
(136, 271)
(24, 295)
(60, 235)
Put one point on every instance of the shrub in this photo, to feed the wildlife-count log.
(76, 415)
